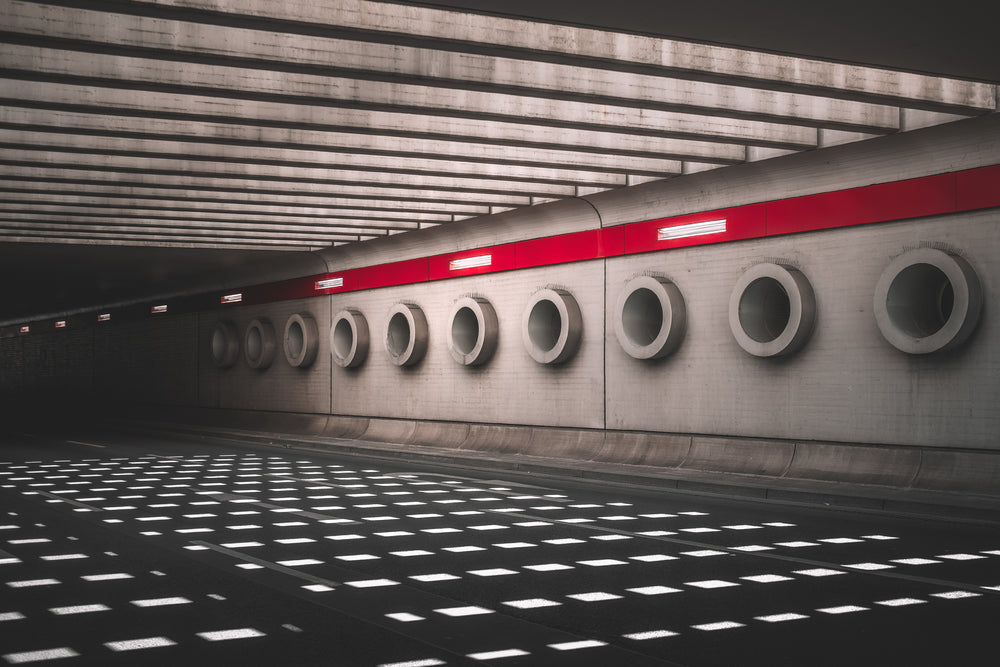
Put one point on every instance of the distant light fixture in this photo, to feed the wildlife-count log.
(329, 283)
(470, 262)
(694, 229)
(159, 309)
(232, 298)
(104, 317)
(25, 329)
(60, 324)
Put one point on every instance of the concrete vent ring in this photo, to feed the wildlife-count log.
(927, 300)
(225, 344)
(259, 344)
(650, 317)
(772, 310)
(552, 326)
(349, 338)
(474, 330)
(406, 334)
(301, 340)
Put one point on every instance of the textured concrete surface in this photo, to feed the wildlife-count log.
(158, 549)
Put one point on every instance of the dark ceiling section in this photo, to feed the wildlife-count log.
(956, 39)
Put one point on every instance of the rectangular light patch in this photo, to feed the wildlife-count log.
(329, 283)
(25, 330)
(693, 229)
(60, 324)
(162, 308)
(104, 317)
(231, 298)
(470, 262)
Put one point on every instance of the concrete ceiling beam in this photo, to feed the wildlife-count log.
(57, 201)
(628, 52)
(300, 158)
(73, 223)
(61, 173)
(225, 134)
(314, 175)
(339, 57)
(230, 198)
(311, 89)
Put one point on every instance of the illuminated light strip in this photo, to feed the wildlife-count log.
(61, 324)
(470, 262)
(231, 298)
(25, 329)
(104, 317)
(693, 229)
(329, 283)
(159, 309)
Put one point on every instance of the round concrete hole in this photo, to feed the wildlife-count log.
(552, 326)
(650, 317)
(349, 338)
(259, 344)
(772, 310)
(301, 340)
(406, 334)
(474, 330)
(927, 300)
(225, 345)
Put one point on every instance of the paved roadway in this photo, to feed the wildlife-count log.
(122, 549)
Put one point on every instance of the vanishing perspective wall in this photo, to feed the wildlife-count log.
(838, 380)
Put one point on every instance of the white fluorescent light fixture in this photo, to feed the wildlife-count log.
(159, 309)
(232, 298)
(694, 229)
(470, 262)
(329, 283)
(104, 317)
(25, 329)
(61, 324)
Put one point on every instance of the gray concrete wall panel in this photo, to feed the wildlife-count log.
(280, 387)
(847, 383)
(511, 387)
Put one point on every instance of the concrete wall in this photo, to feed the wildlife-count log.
(511, 388)
(280, 387)
(846, 384)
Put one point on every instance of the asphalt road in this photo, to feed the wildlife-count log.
(122, 549)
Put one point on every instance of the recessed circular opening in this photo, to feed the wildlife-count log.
(552, 326)
(225, 345)
(772, 310)
(398, 335)
(255, 343)
(465, 330)
(343, 339)
(642, 317)
(259, 344)
(349, 338)
(920, 300)
(295, 339)
(764, 310)
(220, 344)
(544, 325)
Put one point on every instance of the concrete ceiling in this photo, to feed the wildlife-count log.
(151, 143)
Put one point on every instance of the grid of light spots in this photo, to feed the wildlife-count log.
(501, 549)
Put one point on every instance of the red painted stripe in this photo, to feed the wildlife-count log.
(575, 247)
(742, 222)
(501, 259)
(977, 188)
(612, 241)
(914, 198)
(396, 273)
